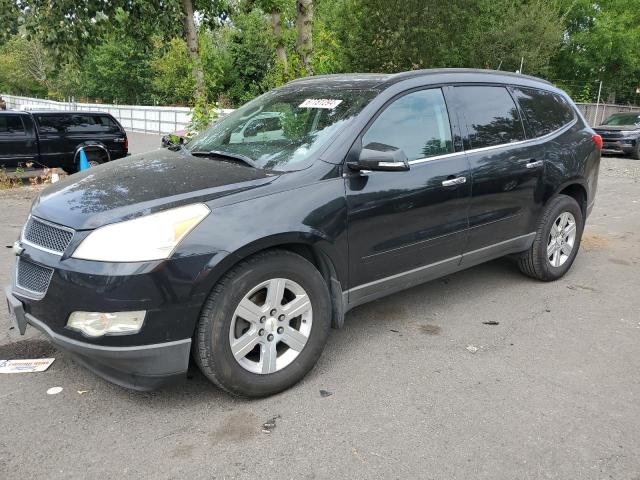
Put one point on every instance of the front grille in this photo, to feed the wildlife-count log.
(47, 235)
(33, 278)
(607, 134)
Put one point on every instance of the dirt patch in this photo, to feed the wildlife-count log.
(429, 329)
(619, 261)
(593, 241)
(33, 348)
(236, 428)
(183, 451)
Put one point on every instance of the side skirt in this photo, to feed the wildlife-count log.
(401, 281)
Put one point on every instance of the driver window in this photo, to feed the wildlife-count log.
(417, 123)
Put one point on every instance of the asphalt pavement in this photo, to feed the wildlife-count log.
(484, 374)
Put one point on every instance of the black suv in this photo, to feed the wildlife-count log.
(53, 139)
(621, 134)
(244, 250)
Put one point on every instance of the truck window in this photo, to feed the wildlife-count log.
(77, 123)
(11, 124)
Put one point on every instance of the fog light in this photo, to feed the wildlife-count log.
(96, 324)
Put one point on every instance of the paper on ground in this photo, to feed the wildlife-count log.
(25, 366)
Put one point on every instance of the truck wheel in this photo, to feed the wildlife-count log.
(264, 325)
(636, 152)
(556, 242)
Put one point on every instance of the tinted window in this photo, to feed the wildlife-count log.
(11, 124)
(545, 111)
(417, 123)
(491, 115)
(76, 123)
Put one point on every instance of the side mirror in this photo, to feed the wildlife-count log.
(381, 157)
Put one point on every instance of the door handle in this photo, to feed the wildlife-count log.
(454, 181)
(535, 164)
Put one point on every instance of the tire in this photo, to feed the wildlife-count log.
(535, 262)
(248, 374)
(636, 152)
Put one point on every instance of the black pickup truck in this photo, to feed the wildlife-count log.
(53, 139)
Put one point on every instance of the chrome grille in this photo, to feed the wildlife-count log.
(33, 278)
(47, 236)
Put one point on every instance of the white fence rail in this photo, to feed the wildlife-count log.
(134, 118)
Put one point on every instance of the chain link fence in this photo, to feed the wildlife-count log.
(595, 113)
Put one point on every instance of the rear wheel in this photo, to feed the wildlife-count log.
(556, 242)
(264, 325)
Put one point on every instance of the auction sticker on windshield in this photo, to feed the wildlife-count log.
(320, 103)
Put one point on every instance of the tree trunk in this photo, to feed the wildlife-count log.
(281, 53)
(192, 45)
(304, 44)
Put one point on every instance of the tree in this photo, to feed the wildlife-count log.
(602, 42)
(390, 36)
(191, 36)
(304, 42)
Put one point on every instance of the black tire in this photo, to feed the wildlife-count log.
(211, 347)
(534, 262)
(636, 152)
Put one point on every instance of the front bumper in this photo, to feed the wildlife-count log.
(143, 367)
(171, 292)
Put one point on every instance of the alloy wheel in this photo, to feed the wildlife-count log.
(561, 240)
(271, 326)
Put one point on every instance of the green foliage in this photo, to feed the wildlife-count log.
(392, 36)
(173, 80)
(602, 43)
(15, 74)
(133, 51)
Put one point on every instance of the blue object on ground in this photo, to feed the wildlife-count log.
(84, 163)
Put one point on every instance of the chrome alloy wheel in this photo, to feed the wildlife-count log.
(271, 326)
(562, 238)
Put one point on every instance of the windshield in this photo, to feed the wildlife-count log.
(626, 119)
(282, 130)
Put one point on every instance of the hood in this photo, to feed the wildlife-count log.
(616, 128)
(142, 184)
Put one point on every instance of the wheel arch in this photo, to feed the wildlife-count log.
(576, 189)
(91, 146)
(314, 249)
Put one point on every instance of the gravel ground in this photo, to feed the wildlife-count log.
(551, 391)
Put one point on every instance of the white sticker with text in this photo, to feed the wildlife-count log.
(320, 103)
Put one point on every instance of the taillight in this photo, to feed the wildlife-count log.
(126, 142)
(597, 139)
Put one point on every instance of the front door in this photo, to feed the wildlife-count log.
(405, 225)
(17, 144)
(507, 187)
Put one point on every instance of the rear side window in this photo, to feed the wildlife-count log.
(11, 124)
(491, 115)
(545, 111)
(417, 123)
(76, 123)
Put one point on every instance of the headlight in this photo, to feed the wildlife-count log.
(629, 133)
(153, 237)
(96, 324)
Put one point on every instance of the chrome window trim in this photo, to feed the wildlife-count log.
(40, 247)
(547, 136)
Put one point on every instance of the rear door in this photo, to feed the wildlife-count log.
(404, 225)
(18, 144)
(55, 150)
(507, 171)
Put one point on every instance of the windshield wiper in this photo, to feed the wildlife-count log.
(232, 156)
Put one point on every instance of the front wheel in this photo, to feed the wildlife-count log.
(264, 325)
(556, 242)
